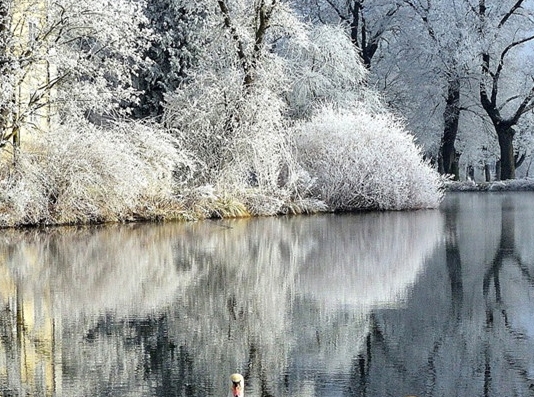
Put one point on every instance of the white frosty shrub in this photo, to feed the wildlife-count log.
(239, 136)
(365, 161)
(325, 67)
(84, 173)
(232, 113)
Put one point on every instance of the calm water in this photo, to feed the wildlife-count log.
(426, 303)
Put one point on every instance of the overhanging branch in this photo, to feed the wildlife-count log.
(510, 13)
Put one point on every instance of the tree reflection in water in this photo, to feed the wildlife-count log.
(468, 329)
(427, 303)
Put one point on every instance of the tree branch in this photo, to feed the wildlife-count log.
(510, 13)
(337, 10)
(239, 43)
(264, 17)
(512, 98)
(423, 14)
(487, 104)
(503, 55)
(525, 106)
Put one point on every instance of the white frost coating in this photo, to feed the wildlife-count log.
(365, 160)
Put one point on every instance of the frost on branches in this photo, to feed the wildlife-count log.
(324, 67)
(243, 115)
(72, 63)
(69, 59)
(99, 47)
(365, 161)
(249, 118)
(84, 173)
(231, 115)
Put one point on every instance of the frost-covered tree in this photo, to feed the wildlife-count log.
(99, 48)
(445, 39)
(174, 50)
(506, 93)
(444, 66)
(237, 112)
(368, 23)
(67, 58)
(231, 112)
(5, 63)
(474, 50)
(325, 68)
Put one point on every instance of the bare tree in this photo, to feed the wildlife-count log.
(503, 108)
(369, 23)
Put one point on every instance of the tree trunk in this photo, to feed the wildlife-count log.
(506, 143)
(487, 172)
(451, 116)
(455, 170)
(450, 159)
(5, 7)
(470, 173)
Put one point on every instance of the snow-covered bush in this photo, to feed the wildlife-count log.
(324, 67)
(232, 114)
(365, 161)
(83, 173)
(239, 139)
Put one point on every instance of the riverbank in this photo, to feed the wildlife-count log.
(520, 185)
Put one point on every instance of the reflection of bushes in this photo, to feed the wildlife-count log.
(194, 302)
(118, 269)
(363, 273)
(272, 287)
(242, 304)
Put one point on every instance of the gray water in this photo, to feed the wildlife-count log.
(425, 303)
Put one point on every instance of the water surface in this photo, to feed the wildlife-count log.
(426, 303)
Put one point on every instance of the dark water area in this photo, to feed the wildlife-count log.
(424, 303)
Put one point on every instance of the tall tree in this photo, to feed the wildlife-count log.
(8, 65)
(505, 28)
(445, 33)
(369, 23)
(230, 111)
(67, 59)
(174, 49)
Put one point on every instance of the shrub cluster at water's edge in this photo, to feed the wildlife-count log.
(524, 184)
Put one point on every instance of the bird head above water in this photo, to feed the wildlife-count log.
(237, 385)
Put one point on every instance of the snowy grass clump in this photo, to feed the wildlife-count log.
(365, 161)
(81, 174)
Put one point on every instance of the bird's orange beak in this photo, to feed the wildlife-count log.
(236, 389)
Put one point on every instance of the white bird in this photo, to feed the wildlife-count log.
(237, 387)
